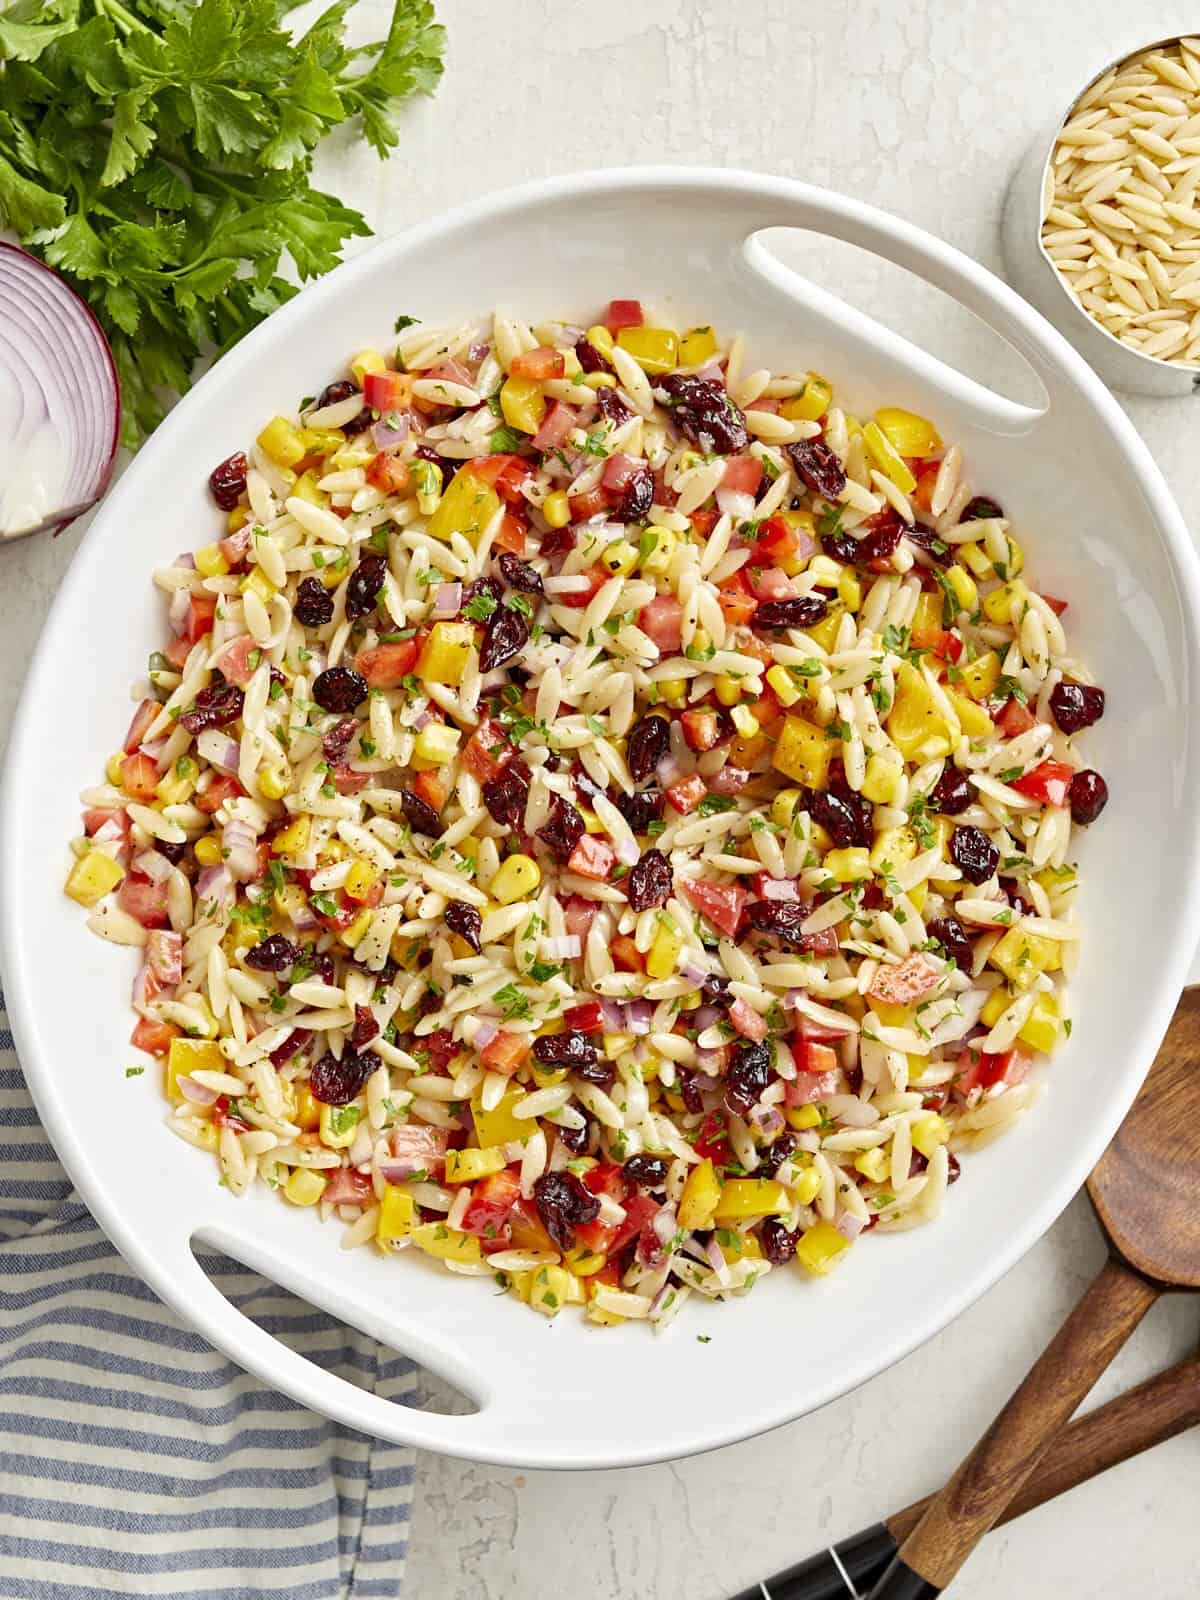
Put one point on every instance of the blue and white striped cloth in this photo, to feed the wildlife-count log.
(137, 1460)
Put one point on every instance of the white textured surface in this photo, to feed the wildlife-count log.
(926, 116)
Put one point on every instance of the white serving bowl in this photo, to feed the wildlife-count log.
(1100, 529)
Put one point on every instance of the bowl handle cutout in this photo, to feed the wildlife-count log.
(944, 269)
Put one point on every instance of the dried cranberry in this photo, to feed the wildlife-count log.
(491, 587)
(646, 1172)
(974, 854)
(576, 1140)
(322, 964)
(841, 818)
(650, 882)
(448, 466)
(334, 1082)
(749, 1073)
(1088, 796)
(504, 637)
(591, 360)
(339, 689)
(600, 1072)
(295, 1041)
(1012, 893)
(564, 1050)
(557, 543)
(586, 785)
(980, 509)
(419, 814)
(365, 1027)
(562, 831)
(649, 741)
(782, 918)
(953, 1168)
(952, 936)
(716, 992)
(778, 1243)
(637, 498)
(465, 921)
(365, 582)
(612, 407)
(505, 795)
(798, 611)
(564, 1204)
(641, 808)
(781, 1147)
(926, 539)
(333, 393)
(1076, 705)
(227, 482)
(841, 547)
(881, 543)
(214, 707)
(818, 467)
(519, 574)
(438, 1048)
(952, 793)
(273, 954)
(314, 604)
(336, 741)
(689, 1090)
(173, 852)
(705, 414)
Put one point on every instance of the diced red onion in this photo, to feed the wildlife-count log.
(693, 972)
(153, 750)
(140, 977)
(668, 771)
(303, 919)
(386, 434)
(767, 1119)
(400, 1171)
(705, 1016)
(195, 1092)
(215, 883)
(479, 350)
(718, 1263)
(639, 1014)
(240, 849)
(712, 371)
(735, 503)
(448, 599)
(849, 1226)
(857, 1114)
(628, 851)
(187, 559)
(613, 1012)
(154, 866)
(484, 1034)
(706, 1081)
(107, 832)
(422, 719)
(564, 948)
(783, 889)
(177, 611)
(574, 583)
(665, 1224)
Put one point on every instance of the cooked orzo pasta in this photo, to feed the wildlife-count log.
(603, 816)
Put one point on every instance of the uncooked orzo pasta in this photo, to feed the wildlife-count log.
(610, 835)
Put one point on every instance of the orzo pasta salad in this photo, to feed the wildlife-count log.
(602, 817)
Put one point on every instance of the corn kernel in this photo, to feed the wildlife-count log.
(92, 877)
(697, 346)
(353, 935)
(812, 402)
(360, 879)
(850, 590)
(852, 865)
(673, 692)
(783, 806)
(994, 1007)
(523, 404)
(307, 1113)
(654, 349)
(966, 591)
(113, 769)
(887, 458)
(305, 1187)
(338, 1125)
(663, 954)
(330, 575)
(396, 1213)
(976, 559)
(620, 557)
(465, 1166)
(291, 840)
(257, 581)
(275, 781)
(518, 876)
(820, 1247)
(547, 1077)
(444, 655)
(599, 380)
(556, 509)
(584, 1263)
(366, 361)
(701, 641)
(281, 441)
(551, 1290)
(210, 563)
(998, 605)
(928, 1133)
(882, 779)
(744, 720)
(728, 690)
(591, 822)
(207, 850)
(808, 1185)
(436, 744)
(873, 1164)
(600, 339)
(447, 1244)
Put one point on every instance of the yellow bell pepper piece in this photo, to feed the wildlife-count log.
(998, 605)
(307, 1114)
(700, 1198)
(367, 361)
(620, 557)
(964, 587)
(850, 590)
(291, 840)
(801, 1117)
(744, 720)
(551, 1290)
(980, 677)
(465, 1166)
(584, 1263)
(783, 806)
(499, 1126)
(812, 402)
(803, 753)
(973, 719)
(660, 545)
(929, 1132)
(654, 349)
(210, 563)
(447, 1244)
(359, 879)
(994, 1007)
(338, 1125)
(739, 1246)
(882, 779)
(663, 954)
(824, 633)
(467, 507)
(976, 559)
(820, 1247)
(353, 936)
(887, 458)
(281, 441)
(523, 404)
(1042, 1030)
(751, 1197)
(445, 653)
(696, 346)
(517, 877)
(927, 618)
(436, 744)
(914, 723)
(873, 1164)
(191, 1055)
(890, 1012)
(397, 1211)
(852, 865)
(918, 897)
(893, 847)
(907, 433)
(304, 1186)
(1022, 957)
(92, 877)
(808, 1185)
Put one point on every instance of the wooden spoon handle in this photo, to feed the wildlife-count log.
(996, 1470)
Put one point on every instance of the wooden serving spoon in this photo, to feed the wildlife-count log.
(1144, 1192)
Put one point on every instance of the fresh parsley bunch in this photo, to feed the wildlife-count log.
(158, 153)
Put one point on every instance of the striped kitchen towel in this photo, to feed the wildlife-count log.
(137, 1460)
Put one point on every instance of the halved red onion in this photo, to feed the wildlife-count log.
(215, 883)
(394, 428)
(239, 845)
(638, 1015)
(196, 1092)
(447, 600)
(718, 1263)
(153, 866)
(60, 403)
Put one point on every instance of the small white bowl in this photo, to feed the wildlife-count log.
(1031, 271)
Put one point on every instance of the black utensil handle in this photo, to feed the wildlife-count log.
(900, 1582)
(843, 1572)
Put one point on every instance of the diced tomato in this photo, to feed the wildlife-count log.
(431, 789)
(592, 858)
(1015, 719)
(721, 903)
(824, 943)
(662, 622)
(220, 790)
(486, 751)
(388, 473)
(813, 1057)
(177, 653)
(511, 534)
(540, 364)
(711, 1143)
(346, 1187)
(585, 1018)
(623, 314)
(236, 548)
(778, 541)
(224, 1118)
(164, 955)
(1057, 606)
(201, 610)
(422, 1148)
(737, 603)
(556, 425)
(640, 1212)
(506, 1052)
(97, 817)
(703, 522)
(492, 1202)
(597, 575)
(142, 718)
(940, 642)
(606, 1178)
(779, 889)
(525, 1227)
(588, 504)
(770, 583)
(749, 644)
(926, 476)
(687, 794)
(701, 729)
(620, 471)
(153, 1037)
(389, 391)
(385, 666)
(139, 776)
(730, 780)
(505, 473)
(747, 1021)
(578, 915)
(743, 474)
(905, 982)
(1049, 782)
(809, 1087)
(626, 955)
(810, 1032)
(234, 660)
(981, 1069)
(447, 372)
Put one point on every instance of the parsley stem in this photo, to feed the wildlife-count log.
(120, 18)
